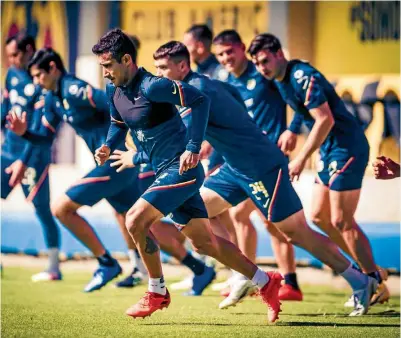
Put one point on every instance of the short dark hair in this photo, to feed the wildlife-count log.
(264, 41)
(201, 33)
(174, 50)
(43, 57)
(135, 40)
(117, 43)
(228, 36)
(23, 40)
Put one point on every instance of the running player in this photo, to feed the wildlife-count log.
(254, 167)
(344, 149)
(21, 162)
(146, 105)
(85, 108)
(268, 110)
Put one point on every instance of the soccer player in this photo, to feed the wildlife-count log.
(255, 167)
(385, 168)
(21, 162)
(85, 108)
(268, 110)
(344, 149)
(146, 105)
(198, 39)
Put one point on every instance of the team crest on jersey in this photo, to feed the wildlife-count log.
(299, 73)
(29, 89)
(251, 84)
(14, 81)
(13, 95)
(73, 90)
(222, 75)
(66, 105)
(140, 135)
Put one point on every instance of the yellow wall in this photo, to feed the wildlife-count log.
(338, 49)
(50, 17)
(156, 23)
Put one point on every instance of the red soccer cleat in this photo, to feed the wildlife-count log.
(288, 292)
(148, 304)
(269, 294)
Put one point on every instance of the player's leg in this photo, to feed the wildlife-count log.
(219, 193)
(343, 207)
(198, 230)
(170, 241)
(277, 199)
(321, 216)
(246, 233)
(35, 185)
(285, 256)
(6, 161)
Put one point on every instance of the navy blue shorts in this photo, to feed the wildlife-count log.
(215, 162)
(178, 195)
(273, 193)
(121, 190)
(341, 171)
(35, 183)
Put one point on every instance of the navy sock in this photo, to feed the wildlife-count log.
(106, 259)
(291, 279)
(376, 275)
(197, 266)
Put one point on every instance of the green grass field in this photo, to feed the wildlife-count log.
(60, 309)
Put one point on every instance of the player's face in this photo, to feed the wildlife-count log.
(169, 69)
(15, 56)
(192, 46)
(114, 71)
(42, 78)
(230, 56)
(268, 64)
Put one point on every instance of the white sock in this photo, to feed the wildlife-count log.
(139, 264)
(132, 257)
(260, 279)
(354, 278)
(53, 260)
(157, 285)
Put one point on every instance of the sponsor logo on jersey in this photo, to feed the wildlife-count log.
(29, 89)
(14, 81)
(251, 84)
(73, 89)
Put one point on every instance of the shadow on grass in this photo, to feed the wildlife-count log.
(388, 313)
(336, 324)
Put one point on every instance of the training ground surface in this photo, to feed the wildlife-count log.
(60, 309)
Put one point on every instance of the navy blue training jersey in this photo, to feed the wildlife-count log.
(263, 101)
(305, 88)
(147, 106)
(21, 95)
(232, 132)
(80, 105)
(212, 68)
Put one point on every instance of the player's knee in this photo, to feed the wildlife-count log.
(60, 211)
(205, 246)
(136, 223)
(317, 217)
(338, 223)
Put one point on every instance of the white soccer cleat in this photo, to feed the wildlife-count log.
(46, 276)
(350, 302)
(223, 285)
(185, 284)
(362, 298)
(239, 290)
